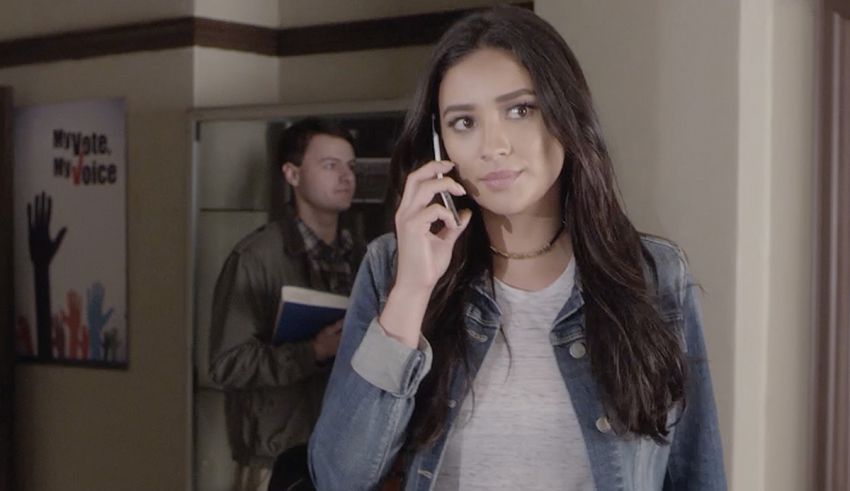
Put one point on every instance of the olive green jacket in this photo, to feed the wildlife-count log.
(273, 393)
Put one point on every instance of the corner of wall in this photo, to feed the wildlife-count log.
(752, 286)
(789, 361)
(230, 78)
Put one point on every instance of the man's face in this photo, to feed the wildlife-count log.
(325, 179)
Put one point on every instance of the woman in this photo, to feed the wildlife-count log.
(538, 342)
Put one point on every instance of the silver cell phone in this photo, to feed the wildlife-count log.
(448, 202)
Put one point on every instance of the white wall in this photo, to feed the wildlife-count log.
(752, 245)
(229, 78)
(352, 76)
(24, 18)
(708, 110)
(663, 76)
(774, 248)
(264, 13)
(787, 444)
(301, 13)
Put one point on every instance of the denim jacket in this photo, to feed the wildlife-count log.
(371, 393)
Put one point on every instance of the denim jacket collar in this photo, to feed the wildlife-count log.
(483, 287)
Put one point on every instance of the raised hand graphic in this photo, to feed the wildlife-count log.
(78, 346)
(97, 318)
(58, 337)
(23, 338)
(42, 250)
(42, 247)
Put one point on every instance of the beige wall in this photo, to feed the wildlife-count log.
(20, 18)
(752, 245)
(301, 13)
(89, 429)
(663, 76)
(354, 76)
(255, 12)
(788, 406)
(229, 78)
(708, 110)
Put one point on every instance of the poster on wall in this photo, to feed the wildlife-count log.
(70, 233)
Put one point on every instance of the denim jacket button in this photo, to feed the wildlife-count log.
(578, 350)
(452, 403)
(603, 425)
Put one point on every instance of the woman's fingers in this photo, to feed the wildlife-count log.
(423, 219)
(420, 188)
(424, 173)
(430, 171)
(424, 255)
(424, 194)
(450, 234)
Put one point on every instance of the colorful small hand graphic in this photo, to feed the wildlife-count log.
(97, 318)
(58, 337)
(23, 338)
(78, 337)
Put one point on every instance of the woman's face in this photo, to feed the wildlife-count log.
(494, 132)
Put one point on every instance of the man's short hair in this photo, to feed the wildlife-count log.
(295, 139)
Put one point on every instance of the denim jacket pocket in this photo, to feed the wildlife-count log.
(476, 315)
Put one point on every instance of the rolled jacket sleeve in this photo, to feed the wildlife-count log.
(389, 364)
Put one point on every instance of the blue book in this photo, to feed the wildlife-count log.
(304, 312)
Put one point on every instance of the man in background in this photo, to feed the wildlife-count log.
(274, 393)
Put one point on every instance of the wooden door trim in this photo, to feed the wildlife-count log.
(831, 313)
(7, 292)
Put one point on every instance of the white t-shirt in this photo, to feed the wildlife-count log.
(523, 432)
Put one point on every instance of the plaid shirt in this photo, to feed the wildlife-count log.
(330, 261)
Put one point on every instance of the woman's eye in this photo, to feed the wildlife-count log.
(520, 111)
(461, 124)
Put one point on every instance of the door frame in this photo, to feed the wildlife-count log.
(831, 273)
(7, 301)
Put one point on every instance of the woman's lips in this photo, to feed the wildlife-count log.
(500, 180)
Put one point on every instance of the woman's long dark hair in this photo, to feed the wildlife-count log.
(637, 361)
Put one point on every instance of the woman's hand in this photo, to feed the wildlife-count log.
(423, 256)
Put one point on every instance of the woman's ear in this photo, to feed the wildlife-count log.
(291, 173)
